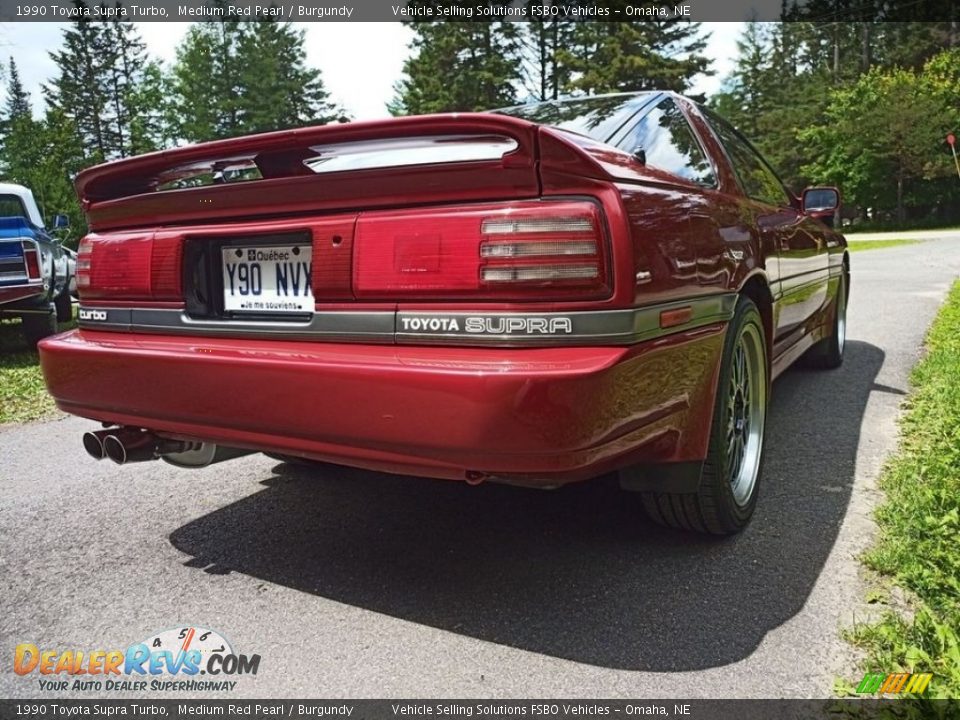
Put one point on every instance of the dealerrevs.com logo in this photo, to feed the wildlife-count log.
(188, 659)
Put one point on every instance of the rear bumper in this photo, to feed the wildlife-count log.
(526, 415)
(30, 296)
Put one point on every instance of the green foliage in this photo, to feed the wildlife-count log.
(883, 155)
(545, 75)
(232, 78)
(864, 105)
(621, 57)
(919, 544)
(276, 88)
(17, 103)
(79, 90)
(479, 66)
(460, 67)
(204, 82)
(155, 125)
(101, 68)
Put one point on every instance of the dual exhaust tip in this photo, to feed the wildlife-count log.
(129, 444)
(123, 445)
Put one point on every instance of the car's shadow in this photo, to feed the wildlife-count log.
(577, 573)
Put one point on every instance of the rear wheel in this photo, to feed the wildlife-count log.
(828, 353)
(729, 481)
(37, 326)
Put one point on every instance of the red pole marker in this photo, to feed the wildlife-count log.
(952, 140)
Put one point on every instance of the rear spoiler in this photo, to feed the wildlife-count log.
(289, 153)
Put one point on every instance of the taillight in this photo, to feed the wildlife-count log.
(129, 267)
(545, 250)
(31, 259)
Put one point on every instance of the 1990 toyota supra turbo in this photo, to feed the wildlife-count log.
(536, 296)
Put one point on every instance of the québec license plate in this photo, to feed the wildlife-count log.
(272, 279)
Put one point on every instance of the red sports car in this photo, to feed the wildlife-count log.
(536, 295)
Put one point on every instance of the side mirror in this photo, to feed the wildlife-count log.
(821, 200)
(821, 203)
(60, 221)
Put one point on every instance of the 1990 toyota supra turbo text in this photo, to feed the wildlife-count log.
(536, 295)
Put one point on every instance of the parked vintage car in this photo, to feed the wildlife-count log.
(36, 271)
(536, 296)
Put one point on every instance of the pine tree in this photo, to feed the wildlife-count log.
(745, 96)
(123, 73)
(620, 57)
(542, 42)
(17, 102)
(19, 151)
(154, 125)
(232, 78)
(276, 88)
(79, 91)
(460, 67)
(203, 97)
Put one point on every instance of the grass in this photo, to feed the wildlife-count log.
(918, 548)
(893, 226)
(857, 245)
(23, 396)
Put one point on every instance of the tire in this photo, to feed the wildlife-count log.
(828, 353)
(64, 306)
(37, 326)
(730, 479)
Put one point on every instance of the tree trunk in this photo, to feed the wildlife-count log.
(836, 47)
(542, 41)
(865, 53)
(554, 70)
(900, 210)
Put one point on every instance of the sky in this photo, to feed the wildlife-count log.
(360, 62)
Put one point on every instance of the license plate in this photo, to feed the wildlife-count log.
(272, 279)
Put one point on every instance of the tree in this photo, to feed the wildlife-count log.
(276, 89)
(21, 149)
(234, 77)
(79, 90)
(877, 156)
(460, 67)
(15, 113)
(17, 102)
(745, 97)
(542, 41)
(154, 125)
(618, 57)
(204, 81)
(122, 69)
(100, 70)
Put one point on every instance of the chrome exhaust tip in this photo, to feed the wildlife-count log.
(93, 443)
(130, 445)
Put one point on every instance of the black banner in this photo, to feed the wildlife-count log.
(475, 10)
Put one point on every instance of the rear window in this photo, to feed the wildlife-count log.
(11, 206)
(598, 117)
(667, 142)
